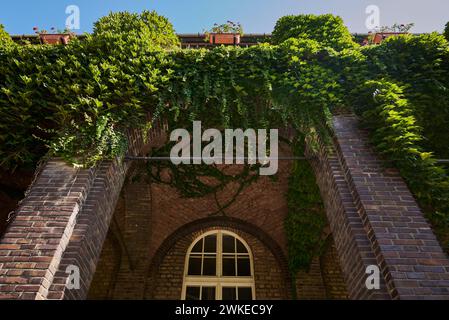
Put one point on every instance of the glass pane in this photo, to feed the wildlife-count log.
(198, 247)
(208, 293)
(193, 293)
(209, 266)
(229, 266)
(229, 293)
(228, 244)
(243, 267)
(195, 266)
(210, 244)
(240, 247)
(245, 294)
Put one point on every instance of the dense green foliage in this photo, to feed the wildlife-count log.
(306, 217)
(402, 93)
(78, 101)
(147, 29)
(327, 29)
(81, 101)
(396, 133)
(421, 65)
(5, 39)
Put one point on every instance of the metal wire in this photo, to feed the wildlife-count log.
(211, 158)
(281, 158)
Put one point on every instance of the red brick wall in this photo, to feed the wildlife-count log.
(103, 284)
(157, 226)
(63, 220)
(166, 281)
(309, 284)
(332, 274)
(411, 260)
(376, 221)
(353, 247)
(151, 218)
(372, 215)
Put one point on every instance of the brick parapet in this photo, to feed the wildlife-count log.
(410, 258)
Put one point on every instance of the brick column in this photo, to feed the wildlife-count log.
(90, 231)
(412, 262)
(33, 245)
(351, 241)
(63, 221)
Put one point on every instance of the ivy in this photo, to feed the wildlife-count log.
(420, 64)
(197, 181)
(397, 135)
(78, 101)
(5, 39)
(306, 217)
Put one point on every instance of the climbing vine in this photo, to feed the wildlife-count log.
(306, 217)
(5, 39)
(78, 101)
(396, 134)
(197, 181)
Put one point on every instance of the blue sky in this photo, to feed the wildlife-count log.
(191, 16)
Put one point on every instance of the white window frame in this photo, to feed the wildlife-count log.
(219, 281)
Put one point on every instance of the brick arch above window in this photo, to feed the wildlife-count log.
(198, 227)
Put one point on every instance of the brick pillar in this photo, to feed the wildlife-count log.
(33, 245)
(351, 241)
(89, 233)
(411, 260)
(63, 221)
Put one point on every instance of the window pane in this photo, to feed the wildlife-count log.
(229, 293)
(208, 293)
(245, 294)
(198, 247)
(240, 247)
(195, 266)
(209, 266)
(228, 244)
(210, 244)
(243, 267)
(193, 293)
(229, 266)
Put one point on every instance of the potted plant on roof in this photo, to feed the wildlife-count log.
(385, 32)
(55, 36)
(227, 33)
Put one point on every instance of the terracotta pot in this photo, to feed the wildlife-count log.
(224, 38)
(381, 36)
(55, 38)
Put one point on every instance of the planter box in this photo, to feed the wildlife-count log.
(381, 36)
(224, 38)
(56, 38)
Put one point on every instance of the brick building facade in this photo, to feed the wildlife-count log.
(156, 226)
(130, 239)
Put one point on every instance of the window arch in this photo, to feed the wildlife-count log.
(218, 266)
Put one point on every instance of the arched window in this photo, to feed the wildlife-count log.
(219, 266)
